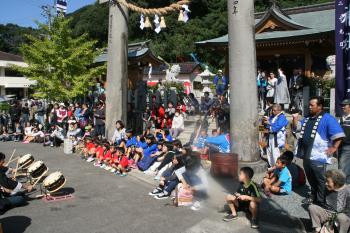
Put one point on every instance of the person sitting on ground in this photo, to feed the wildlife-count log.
(199, 141)
(18, 133)
(178, 124)
(166, 161)
(167, 147)
(57, 136)
(169, 179)
(74, 132)
(120, 162)
(163, 134)
(8, 185)
(148, 160)
(101, 151)
(297, 173)
(292, 167)
(119, 132)
(247, 197)
(4, 134)
(108, 158)
(336, 206)
(28, 131)
(89, 150)
(38, 134)
(149, 148)
(281, 181)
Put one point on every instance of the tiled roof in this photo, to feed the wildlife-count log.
(10, 57)
(320, 21)
(135, 50)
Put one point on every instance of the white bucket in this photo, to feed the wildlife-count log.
(68, 146)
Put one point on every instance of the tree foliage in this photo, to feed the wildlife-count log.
(60, 64)
(12, 36)
(208, 20)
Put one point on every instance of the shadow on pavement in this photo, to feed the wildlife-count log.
(15, 224)
(274, 215)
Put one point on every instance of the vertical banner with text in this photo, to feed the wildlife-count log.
(342, 36)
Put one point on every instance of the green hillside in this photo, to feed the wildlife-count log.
(208, 19)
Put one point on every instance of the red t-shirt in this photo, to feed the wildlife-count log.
(123, 161)
(108, 155)
(90, 146)
(99, 152)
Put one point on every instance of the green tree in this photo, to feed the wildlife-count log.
(61, 65)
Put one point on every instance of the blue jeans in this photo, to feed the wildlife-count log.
(344, 161)
(41, 120)
(16, 200)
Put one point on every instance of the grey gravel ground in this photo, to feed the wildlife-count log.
(106, 203)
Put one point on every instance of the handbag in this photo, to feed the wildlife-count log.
(183, 196)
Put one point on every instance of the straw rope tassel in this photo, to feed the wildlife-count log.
(155, 11)
(162, 22)
(181, 16)
(148, 23)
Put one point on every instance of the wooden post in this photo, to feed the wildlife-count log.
(242, 68)
(117, 66)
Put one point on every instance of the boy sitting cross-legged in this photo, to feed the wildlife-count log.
(281, 180)
(247, 197)
(120, 162)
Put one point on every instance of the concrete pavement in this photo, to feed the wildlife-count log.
(106, 203)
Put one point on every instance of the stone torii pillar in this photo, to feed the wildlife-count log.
(243, 88)
(117, 66)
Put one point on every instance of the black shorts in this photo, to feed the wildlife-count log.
(243, 205)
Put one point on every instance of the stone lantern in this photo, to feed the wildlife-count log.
(205, 75)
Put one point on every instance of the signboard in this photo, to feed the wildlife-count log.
(342, 34)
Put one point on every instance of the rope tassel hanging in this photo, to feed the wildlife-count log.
(148, 23)
(162, 22)
(181, 16)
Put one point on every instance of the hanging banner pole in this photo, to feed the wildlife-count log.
(342, 30)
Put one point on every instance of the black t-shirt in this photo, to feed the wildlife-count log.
(25, 110)
(7, 182)
(250, 190)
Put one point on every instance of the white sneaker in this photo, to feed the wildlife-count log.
(107, 168)
(103, 166)
(112, 170)
(89, 160)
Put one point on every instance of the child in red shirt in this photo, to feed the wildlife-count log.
(100, 153)
(107, 159)
(89, 150)
(120, 162)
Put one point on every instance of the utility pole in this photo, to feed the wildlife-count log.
(47, 14)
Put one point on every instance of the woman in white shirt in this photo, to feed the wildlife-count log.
(178, 124)
(28, 132)
(119, 133)
(271, 86)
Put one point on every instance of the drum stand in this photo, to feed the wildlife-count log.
(36, 180)
(54, 196)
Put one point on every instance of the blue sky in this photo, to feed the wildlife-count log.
(24, 12)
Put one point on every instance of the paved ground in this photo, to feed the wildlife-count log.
(106, 203)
